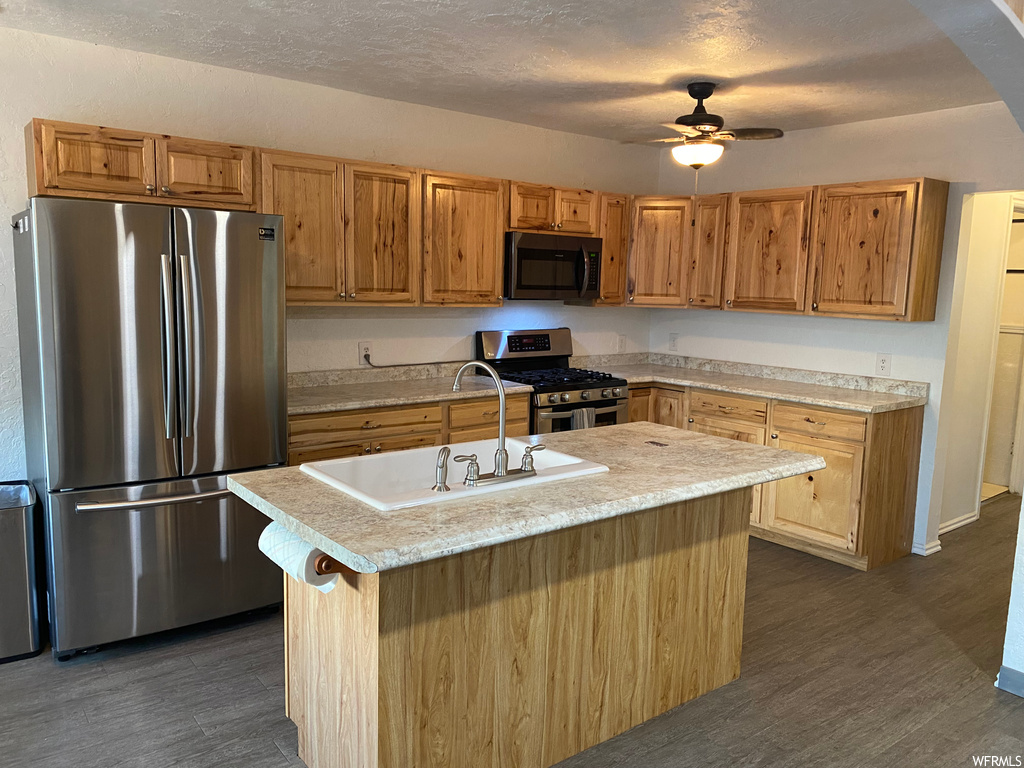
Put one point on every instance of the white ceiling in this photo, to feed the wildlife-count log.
(609, 68)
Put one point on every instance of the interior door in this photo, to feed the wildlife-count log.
(231, 313)
(108, 341)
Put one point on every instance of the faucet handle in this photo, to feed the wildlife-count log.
(472, 468)
(528, 456)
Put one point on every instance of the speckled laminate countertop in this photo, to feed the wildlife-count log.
(379, 394)
(791, 391)
(686, 465)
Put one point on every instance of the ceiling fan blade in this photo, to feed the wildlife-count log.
(755, 134)
(683, 129)
(676, 140)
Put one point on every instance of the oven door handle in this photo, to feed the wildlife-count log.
(568, 414)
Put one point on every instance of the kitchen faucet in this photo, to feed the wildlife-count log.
(501, 455)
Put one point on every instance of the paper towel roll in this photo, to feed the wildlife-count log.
(295, 556)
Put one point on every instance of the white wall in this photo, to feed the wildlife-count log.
(67, 80)
(932, 144)
(1013, 651)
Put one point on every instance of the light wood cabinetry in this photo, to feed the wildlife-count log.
(463, 240)
(640, 404)
(533, 206)
(307, 192)
(878, 246)
(732, 429)
(707, 263)
(668, 407)
(614, 233)
(659, 252)
(94, 161)
(478, 419)
(769, 242)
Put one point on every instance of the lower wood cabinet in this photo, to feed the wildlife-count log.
(733, 430)
(668, 407)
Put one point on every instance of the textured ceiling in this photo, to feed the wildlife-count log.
(610, 68)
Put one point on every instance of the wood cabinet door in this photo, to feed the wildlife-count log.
(733, 430)
(297, 456)
(577, 211)
(769, 241)
(659, 252)
(532, 206)
(382, 234)
(707, 263)
(463, 235)
(614, 232)
(863, 242)
(821, 506)
(188, 169)
(668, 407)
(640, 405)
(307, 192)
(89, 158)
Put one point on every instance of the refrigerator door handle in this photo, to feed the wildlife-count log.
(170, 362)
(189, 350)
(158, 501)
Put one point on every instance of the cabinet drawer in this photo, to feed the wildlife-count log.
(485, 411)
(350, 426)
(705, 403)
(320, 453)
(515, 429)
(405, 443)
(796, 418)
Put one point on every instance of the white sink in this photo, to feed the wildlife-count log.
(390, 481)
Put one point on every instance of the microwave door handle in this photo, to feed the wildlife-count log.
(582, 288)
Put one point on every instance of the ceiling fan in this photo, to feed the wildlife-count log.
(702, 131)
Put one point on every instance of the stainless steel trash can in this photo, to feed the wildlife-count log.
(19, 587)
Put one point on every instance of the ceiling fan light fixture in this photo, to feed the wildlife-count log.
(697, 154)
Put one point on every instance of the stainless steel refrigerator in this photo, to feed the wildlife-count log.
(153, 364)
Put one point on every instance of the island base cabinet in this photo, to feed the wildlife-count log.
(524, 653)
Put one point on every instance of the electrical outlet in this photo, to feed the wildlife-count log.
(673, 342)
(622, 342)
(365, 348)
(883, 364)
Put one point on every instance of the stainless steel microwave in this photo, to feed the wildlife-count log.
(551, 267)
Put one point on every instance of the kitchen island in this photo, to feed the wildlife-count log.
(521, 627)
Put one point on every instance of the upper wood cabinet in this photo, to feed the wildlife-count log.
(382, 233)
(68, 157)
(769, 241)
(463, 240)
(877, 248)
(614, 233)
(533, 206)
(107, 163)
(190, 170)
(307, 192)
(659, 251)
(707, 262)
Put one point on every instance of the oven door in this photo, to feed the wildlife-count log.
(561, 418)
(551, 267)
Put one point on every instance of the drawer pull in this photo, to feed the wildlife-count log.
(490, 413)
(727, 408)
(809, 420)
(370, 426)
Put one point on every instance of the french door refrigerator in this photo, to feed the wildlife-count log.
(153, 364)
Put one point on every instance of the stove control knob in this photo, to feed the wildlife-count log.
(565, 397)
(617, 392)
(606, 393)
(584, 395)
(552, 398)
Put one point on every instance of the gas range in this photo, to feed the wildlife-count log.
(564, 397)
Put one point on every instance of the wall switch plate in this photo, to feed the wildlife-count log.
(365, 348)
(673, 342)
(883, 364)
(621, 343)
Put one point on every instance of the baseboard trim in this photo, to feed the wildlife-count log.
(1010, 680)
(928, 549)
(959, 522)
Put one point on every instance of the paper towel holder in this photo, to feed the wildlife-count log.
(325, 564)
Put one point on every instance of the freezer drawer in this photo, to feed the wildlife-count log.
(131, 561)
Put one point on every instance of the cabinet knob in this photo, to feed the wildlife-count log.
(729, 302)
(366, 449)
(352, 295)
(630, 298)
(559, 226)
(165, 190)
(775, 437)
(150, 188)
(553, 225)
(690, 420)
(814, 305)
(691, 301)
(377, 448)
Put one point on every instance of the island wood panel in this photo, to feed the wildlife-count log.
(769, 241)
(463, 234)
(528, 652)
(707, 263)
(863, 248)
(614, 232)
(189, 169)
(382, 233)
(659, 252)
(307, 192)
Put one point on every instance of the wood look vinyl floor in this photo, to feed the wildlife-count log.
(840, 669)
